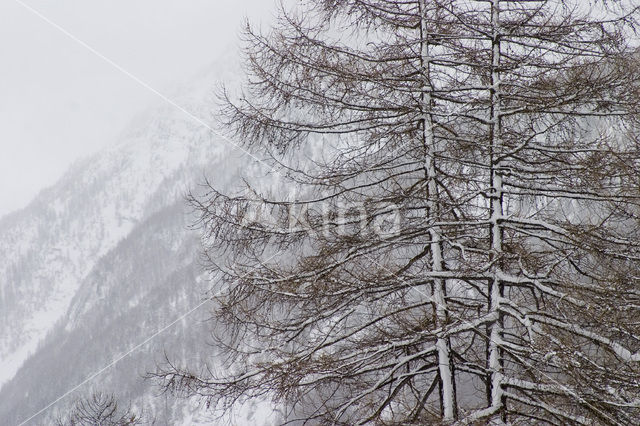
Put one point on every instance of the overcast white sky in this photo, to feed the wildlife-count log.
(60, 102)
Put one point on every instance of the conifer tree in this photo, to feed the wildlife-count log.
(464, 241)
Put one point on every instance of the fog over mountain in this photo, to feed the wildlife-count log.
(106, 261)
(443, 228)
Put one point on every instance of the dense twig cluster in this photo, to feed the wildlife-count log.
(99, 409)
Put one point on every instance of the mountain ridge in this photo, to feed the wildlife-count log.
(106, 257)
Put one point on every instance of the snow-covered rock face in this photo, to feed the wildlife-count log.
(48, 248)
(105, 257)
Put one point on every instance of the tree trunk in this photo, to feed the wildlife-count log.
(439, 294)
(496, 288)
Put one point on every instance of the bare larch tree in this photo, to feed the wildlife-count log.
(464, 243)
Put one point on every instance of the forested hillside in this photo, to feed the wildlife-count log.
(106, 258)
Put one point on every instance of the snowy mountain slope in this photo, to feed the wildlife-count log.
(49, 247)
(132, 292)
(104, 258)
(148, 281)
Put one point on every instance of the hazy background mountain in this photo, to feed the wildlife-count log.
(71, 73)
(104, 260)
